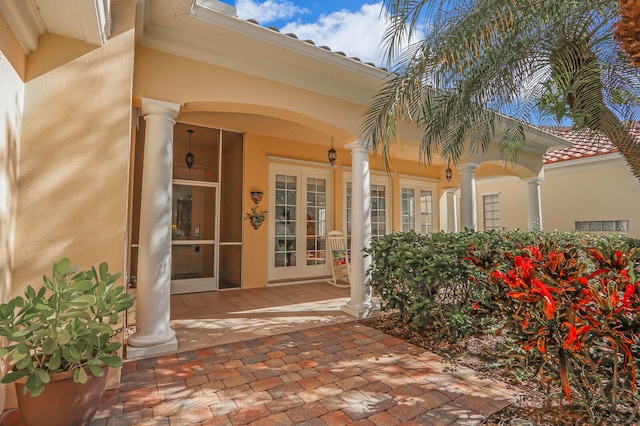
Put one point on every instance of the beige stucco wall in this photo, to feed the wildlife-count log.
(71, 188)
(203, 87)
(593, 189)
(512, 193)
(11, 110)
(590, 190)
(75, 154)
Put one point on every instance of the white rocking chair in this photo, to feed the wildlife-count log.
(339, 258)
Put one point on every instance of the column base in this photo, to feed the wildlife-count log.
(363, 310)
(142, 352)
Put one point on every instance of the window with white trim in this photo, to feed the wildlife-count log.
(491, 211)
(417, 206)
(380, 216)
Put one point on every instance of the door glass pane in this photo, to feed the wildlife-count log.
(378, 211)
(316, 221)
(408, 209)
(192, 261)
(193, 219)
(193, 212)
(285, 221)
(426, 211)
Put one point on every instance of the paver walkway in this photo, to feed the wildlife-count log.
(340, 374)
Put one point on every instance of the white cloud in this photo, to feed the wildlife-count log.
(356, 33)
(267, 11)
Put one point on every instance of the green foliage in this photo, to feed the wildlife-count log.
(568, 300)
(67, 325)
(427, 280)
(473, 64)
(576, 307)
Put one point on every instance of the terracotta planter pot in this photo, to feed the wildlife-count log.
(256, 221)
(63, 402)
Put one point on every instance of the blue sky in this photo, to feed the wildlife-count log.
(352, 26)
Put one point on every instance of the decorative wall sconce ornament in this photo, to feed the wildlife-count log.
(332, 155)
(190, 158)
(256, 217)
(256, 196)
(448, 173)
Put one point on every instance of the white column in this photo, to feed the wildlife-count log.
(155, 335)
(468, 212)
(361, 303)
(452, 210)
(535, 205)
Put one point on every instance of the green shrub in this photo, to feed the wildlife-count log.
(577, 308)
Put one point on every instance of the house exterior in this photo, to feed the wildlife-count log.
(585, 187)
(101, 103)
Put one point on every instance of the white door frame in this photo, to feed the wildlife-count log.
(301, 271)
(194, 285)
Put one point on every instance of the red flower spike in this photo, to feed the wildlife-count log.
(564, 374)
(550, 305)
(596, 255)
(573, 342)
(629, 293)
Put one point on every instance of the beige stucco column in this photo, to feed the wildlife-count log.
(361, 303)
(452, 210)
(155, 335)
(468, 213)
(535, 205)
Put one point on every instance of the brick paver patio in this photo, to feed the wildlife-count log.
(341, 374)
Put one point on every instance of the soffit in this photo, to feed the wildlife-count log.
(89, 21)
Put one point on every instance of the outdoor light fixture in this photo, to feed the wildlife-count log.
(448, 173)
(189, 158)
(332, 154)
(256, 196)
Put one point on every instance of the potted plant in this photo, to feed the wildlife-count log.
(61, 343)
(256, 217)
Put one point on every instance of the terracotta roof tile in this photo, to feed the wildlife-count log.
(585, 144)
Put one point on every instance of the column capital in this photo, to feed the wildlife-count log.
(468, 167)
(358, 145)
(163, 108)
(533, 180)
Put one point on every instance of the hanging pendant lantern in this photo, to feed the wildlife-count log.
(189, 158)
(332, 155)
(448, 173)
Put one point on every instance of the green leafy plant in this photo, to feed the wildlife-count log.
(67, 325)
(579, 315)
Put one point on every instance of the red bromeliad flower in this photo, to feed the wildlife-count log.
(550, 304)
(629, 295)
(573, 341)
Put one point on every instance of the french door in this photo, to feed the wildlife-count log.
(300, 199)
